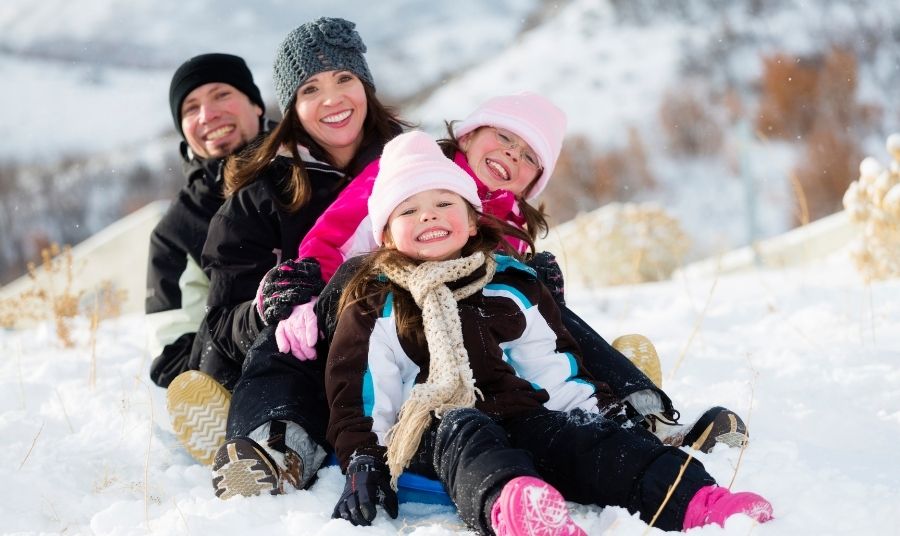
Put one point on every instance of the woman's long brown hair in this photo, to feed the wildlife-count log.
(381, 124)
(364, 284)
(535, 218)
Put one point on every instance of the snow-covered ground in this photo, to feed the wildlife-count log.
(809, 356)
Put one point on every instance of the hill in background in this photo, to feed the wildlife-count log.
(740, 121)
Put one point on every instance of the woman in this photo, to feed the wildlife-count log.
(333, 126)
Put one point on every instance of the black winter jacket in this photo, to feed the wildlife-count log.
(251, 233)
(176, 245)
(177, 241)
(182, 230)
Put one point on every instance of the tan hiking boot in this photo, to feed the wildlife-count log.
(272, 457)
(716, 425)
(198, 408)
(640, 351)
(243, 467)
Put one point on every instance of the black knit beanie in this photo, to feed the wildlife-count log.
(208, 68)
(325, 44)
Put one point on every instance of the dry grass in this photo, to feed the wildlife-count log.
(33, 443)
(737, 466)
(53, 295)
(147, 458)
(697, 324)
(65, 412)
(802, 215)
(187, 529)
(678, 477)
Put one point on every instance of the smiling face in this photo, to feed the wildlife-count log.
(500, 159)
(332, 108)
(217, 119)
(433, 225)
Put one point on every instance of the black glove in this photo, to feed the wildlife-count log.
(368, 484)
(549, 273)
(288, 284)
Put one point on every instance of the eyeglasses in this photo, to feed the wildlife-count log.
(510, 141)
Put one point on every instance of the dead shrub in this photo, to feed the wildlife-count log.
(813, 99)
(829, 164)
(799, 93)
(621, 244)
(832, 152)
(689, 127)
(789, 91)
(586, 178)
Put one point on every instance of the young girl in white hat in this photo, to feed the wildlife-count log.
(451, 359)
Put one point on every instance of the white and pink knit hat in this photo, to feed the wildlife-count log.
(412, 163)
(531, 117)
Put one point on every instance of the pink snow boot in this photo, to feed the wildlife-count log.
(532, 507)
(712, 504)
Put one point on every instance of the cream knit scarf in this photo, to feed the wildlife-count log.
(450, 383)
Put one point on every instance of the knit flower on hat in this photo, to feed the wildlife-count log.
(340, 33)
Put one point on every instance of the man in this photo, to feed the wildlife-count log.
(217, 109)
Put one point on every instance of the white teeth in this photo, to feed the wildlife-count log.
(498, 168)
(219, 132)
(336, 118)
(431, 235)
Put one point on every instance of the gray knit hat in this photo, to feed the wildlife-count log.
(325, 44)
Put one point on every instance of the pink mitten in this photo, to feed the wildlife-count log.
(297, 334)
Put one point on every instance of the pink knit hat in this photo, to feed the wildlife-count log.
(412, 163)
(531, 117)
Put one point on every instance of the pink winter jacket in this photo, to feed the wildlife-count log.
(344, 230)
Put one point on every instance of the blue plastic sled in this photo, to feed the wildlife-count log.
(414, 488)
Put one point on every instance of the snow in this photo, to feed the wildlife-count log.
(108, 64)
(807, 355)
(91, 78)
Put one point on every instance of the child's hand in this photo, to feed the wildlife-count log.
(288, 284)
(298, 333)
(549, 273)
(368, 484)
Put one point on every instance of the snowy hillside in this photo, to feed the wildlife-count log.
(91, 81)
(612, 65)
(93, 75)
(808, 356)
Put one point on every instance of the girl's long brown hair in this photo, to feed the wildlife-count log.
(365, 283)
(381, 124)
(535, 217)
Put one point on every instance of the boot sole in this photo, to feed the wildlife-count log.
(717, 425)
(198, 407)
(641, 352)
(242, 467)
